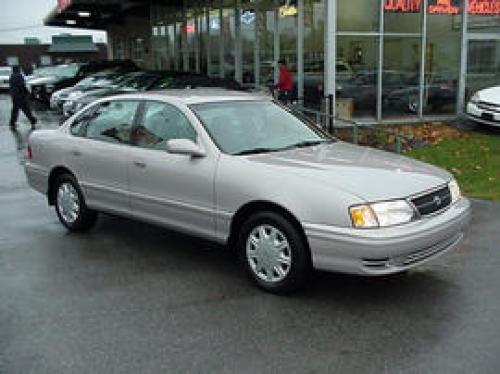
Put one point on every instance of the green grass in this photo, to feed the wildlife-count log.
(473, 160)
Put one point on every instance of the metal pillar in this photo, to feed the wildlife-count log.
(256, 47)
(380, 65)
(221, 40)
(462, 79)
(300, 51)
(184, 45)
(330, 56)
(238, 69)
(197, 33)
(276, 43)
(423, 53)
(175, 47)
(207, 40)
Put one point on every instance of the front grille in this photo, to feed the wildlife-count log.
(423, 254)
(489, 106)
(432, 202)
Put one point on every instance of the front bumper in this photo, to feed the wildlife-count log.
(387, 250)
(486, 114)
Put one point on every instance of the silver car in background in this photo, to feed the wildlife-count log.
(242, 170)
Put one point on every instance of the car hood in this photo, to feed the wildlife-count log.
(368, 173)
(93, 95)
(490, 95)
(63, 93)
(44, 80)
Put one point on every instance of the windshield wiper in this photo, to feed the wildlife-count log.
(255, 151)
(308, 143)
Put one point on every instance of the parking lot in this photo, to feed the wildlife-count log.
(133, 298)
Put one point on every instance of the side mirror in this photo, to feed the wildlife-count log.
(184, 147)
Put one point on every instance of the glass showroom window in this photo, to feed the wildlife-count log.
(357, 74)
(442, 58)
(314, 56)
(400, 76)
(229, 34)
(288, 35)
(358, 15)
(248, 17)
(357, 59)
(266, 25)
(214, 41)
(483, 50)
(402, 57)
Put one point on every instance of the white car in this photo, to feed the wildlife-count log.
(484, 106)
(5, 72)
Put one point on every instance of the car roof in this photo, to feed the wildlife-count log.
(196, 96)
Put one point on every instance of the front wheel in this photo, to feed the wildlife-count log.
(70, 205)
(274, 253)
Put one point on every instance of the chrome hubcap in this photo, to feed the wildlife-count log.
(68, 203)
(268, 253)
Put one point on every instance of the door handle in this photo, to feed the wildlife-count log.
(139, 164)
(75, 152)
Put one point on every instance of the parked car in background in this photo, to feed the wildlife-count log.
(147, 81)
(5, 72)
(104, 79)
(484, 106)
(62, 76)
(241, 170)
(440, 92)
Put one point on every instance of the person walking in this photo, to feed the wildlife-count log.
(19, 95)
(285, 83)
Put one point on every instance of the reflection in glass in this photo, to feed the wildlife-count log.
(400, 77)
(356, 82)
(442, 63)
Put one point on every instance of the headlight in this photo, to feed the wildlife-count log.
(475, 99)
(383, 214)
(454, 190)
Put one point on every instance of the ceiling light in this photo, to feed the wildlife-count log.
(70, 22)
(84, 14)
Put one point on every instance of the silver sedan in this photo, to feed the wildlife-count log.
(242, 170)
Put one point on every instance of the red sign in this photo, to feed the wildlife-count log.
(484, 7)
(62, 4)
(404, 6)
(443, 7)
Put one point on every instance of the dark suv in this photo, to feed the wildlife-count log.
(57, 77)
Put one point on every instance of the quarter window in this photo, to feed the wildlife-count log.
(160, 123)
(112, 121)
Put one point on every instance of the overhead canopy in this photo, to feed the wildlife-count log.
(72, 44)
(95, 14)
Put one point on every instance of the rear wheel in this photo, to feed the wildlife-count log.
(70, 205)
(274, 253)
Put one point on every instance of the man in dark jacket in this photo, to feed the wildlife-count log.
(19, 95)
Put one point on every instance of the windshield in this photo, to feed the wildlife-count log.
(63, 71)
(101, 80)
(255, 126)
(136, 82)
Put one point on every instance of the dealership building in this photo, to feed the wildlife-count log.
(374, 61)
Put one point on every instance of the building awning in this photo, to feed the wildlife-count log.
(72, 44)
(94, 14)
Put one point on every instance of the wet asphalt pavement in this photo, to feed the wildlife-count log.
(133, 298)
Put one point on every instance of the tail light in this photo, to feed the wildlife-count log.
(29, 152)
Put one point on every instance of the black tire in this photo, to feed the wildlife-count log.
(86, 218)
(300, 267)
